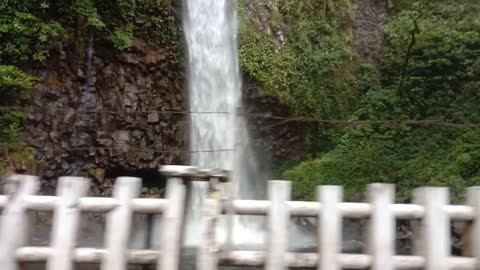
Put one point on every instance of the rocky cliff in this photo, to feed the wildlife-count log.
(106, 113)
(368, 21)
(101, 112)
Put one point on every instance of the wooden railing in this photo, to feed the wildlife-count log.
(430, 212)
(67, 206)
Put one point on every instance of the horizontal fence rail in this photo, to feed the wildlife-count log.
(245, 207)
(431, 216)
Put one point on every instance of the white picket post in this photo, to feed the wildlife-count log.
(65, 222)
(433, 239)
(278, 218)
(329, 227)
(208, 250)
(14, 220)
(172, 226)
(472, 245)
(119, 222)
(381, 235)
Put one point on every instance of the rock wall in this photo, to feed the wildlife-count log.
(369, 19)
(104, 115)
(276, 140)
(99, 111)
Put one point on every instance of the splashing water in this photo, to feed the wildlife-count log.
(215, 86)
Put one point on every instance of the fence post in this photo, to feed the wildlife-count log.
(278, 218)
(329, 227)
(119, 222)
(172, 226)
(208, 249)
(230, 216)
(14, 220)
(65, 222)
(472, 236)
(433, 238)
(381, 226)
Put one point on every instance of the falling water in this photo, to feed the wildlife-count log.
(215, 95)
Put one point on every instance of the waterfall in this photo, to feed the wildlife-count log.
(215, 96)
(214, 84)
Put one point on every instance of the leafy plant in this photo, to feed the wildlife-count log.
(14, 87)
(122, 37)
(88, 11)
(314, 72)
(25, 37)
(160, 27)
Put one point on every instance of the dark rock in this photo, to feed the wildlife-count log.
(50, 173)
(129, 58)
(116, 133)
(80, 73)
(153, 118)
(37, 142)
(370, 17)
(137, 134)
(270, 137)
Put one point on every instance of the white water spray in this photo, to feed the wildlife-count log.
(215, 95)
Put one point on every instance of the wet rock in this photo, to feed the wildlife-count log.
(137, 134)
(153, 118)
(369, 19)
(117, 89)
(38, 141)
(80, 73)
(68, 115)
(273, 140)
(121, 136)
(129, 58)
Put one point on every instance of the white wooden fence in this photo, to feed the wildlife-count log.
(67, 205)
(431, 212)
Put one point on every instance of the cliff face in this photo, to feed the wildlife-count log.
(102, 113)
(275, 37)
(105, 113)
(276, 140)
(369, 19)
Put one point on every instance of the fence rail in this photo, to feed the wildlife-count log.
(431, 214)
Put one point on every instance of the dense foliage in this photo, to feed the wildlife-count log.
(430, 71)
(314, 48)
(24, 37)
(305, 59)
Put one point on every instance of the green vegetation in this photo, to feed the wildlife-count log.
(24, 37)
(160, 26)
(14, 88)
(430, 71)
(315, 49)
(314, 71)
(122, 37)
